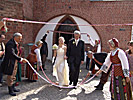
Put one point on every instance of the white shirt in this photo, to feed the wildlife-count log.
(37, 51)
(121, 56)
(76, 41)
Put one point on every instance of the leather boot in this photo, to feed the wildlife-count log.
(11, 92)
(99, 86)
(14, 89)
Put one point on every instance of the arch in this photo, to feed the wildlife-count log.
(65, 20)
(77, 20)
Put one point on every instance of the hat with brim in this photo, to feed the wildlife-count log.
(77, 32)
(1, 25)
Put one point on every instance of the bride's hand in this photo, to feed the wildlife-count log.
(65, 57)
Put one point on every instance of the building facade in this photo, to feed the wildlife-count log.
(94, 16)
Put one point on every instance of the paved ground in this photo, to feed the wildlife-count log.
(41, 90)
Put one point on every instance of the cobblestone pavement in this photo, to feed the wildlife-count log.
(41, 90)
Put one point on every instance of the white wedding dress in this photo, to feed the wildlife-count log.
(60, 68)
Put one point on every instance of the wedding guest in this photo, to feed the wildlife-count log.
(9, 64)
(87, 58)
(2, 49)
(2, 53)
(98, 59)
(44, 50)
(129, 53)
(35, 60)
(95, 47)
(94, 50)
(120, 86)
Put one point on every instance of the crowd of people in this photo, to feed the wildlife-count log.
(66, 63)
(116, 61)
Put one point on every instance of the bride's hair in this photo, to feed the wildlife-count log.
(62, 39)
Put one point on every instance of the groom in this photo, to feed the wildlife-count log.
(75, 54)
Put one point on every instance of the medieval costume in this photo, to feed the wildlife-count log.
(120, 88)
(9, 64)
(19, 69)
(35, 60)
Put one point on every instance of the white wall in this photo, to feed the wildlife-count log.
(49, 38)
(87, 29)
(84, 29)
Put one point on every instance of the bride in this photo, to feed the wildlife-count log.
(60, 68)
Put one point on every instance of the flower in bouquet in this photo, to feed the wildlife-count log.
(55, 47)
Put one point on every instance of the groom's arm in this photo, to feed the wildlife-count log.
(82, 51)
(68, 49)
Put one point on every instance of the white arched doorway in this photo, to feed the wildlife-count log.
(83, 29)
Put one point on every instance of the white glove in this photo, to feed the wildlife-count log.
(53, 60)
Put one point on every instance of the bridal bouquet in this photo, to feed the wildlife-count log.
(55, 47)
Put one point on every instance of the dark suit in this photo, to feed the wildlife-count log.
(75, 55)
(8, 63)
(2, 48)
(44, 51)
(87, 61)
(100, 58)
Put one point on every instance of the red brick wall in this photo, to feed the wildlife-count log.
(94, 13)
(12, 10)
(28, 15)
(19, 9)
(27, 28)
